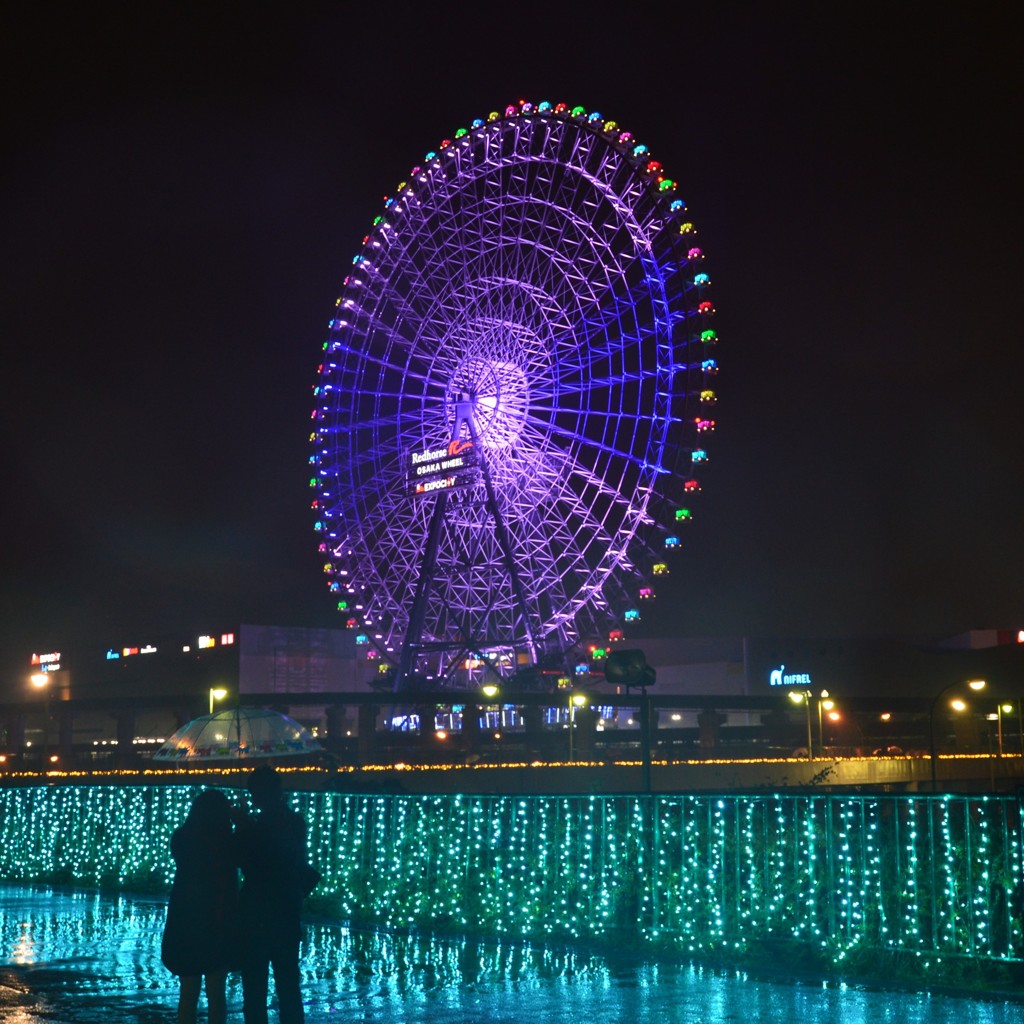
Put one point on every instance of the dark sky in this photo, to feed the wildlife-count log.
(184, 185)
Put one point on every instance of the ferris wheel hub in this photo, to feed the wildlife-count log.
(498, 396)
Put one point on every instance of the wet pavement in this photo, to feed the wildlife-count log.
(81, 958)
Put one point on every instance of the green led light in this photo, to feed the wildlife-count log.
(933, 877)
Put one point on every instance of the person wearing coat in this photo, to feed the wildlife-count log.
(276, 877)
(200, 935)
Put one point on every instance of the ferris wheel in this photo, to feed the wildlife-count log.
(510, 414)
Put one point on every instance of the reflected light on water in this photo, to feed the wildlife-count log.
(24, 948)
(87, 957)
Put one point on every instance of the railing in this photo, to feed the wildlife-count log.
(836, 877)
(445, 728)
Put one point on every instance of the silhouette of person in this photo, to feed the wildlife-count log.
(271, 849)
(199, 935)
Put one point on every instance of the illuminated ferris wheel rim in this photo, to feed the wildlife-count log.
(532, 340)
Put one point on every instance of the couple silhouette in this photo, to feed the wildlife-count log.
(214, 927)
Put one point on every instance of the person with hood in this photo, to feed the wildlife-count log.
(276, 876)
(199, 936)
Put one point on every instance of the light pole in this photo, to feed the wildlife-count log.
(974, 684)
(216, 693)
(576, 700)
(41, 681)
(1001, 709)
(827, 705)
(804, 697)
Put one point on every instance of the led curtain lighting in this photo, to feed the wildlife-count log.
(930, 877)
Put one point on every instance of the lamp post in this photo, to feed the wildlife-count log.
(576, 700)
(1001, 709)
(804, 697)
(41, 681)
(216, 693)
(827, 705)
(974, 684)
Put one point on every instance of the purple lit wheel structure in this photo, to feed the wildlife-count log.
(538, 274)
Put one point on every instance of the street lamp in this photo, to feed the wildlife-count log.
(1001, 709)
(827, 705)
(804, 697)
(957, 705)
(216, 693)
(576, 700)
(41, 681)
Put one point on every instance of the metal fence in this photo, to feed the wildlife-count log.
(933, 876)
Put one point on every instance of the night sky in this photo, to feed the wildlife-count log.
(184, 186)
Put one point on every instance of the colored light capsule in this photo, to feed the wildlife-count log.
(671, 543)
(511, 110)
(459, 132)
(640, 150)
(334, 586)
(666, 185)
(646, 594)
(312, 481)
(543, 107)
(445, 143)
(430, 156)
(659, 569)
(594, 117)
(701, 279)
(527, 107)
(691, 486)
(631, 615)
(561, 108)
(582, 669)
(686, 228)
(709, 366)
(625, 138)
(698, 455)
(610, 126)
(694, 254)
(343, 606)
(362, 639)
(478, 122)
(614, 635)
(708, 336)
(683, 514)
(706, 308)
(677, 206)
(493, 116)
(579, 111)
(708, 397)
(705, 426)
(351, 623)
(653, 167)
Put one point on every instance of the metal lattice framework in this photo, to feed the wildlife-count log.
(538, 271)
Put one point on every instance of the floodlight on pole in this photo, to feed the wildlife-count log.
(974, 684)
(804, 697)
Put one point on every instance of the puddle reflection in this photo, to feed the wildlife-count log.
(87, 957)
